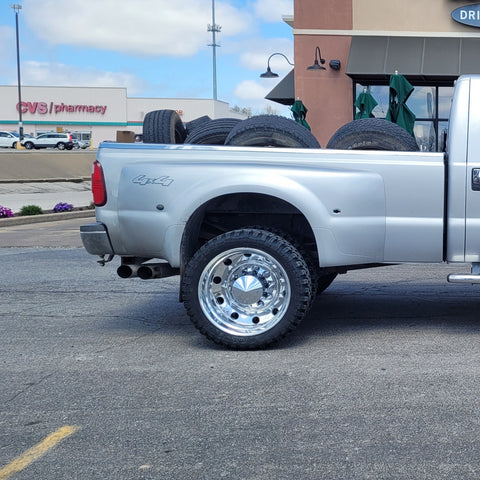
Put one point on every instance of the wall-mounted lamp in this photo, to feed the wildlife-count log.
(269, 73)
(334, 64)
(316, 65)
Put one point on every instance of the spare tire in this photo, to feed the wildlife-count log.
(199, 122)
(163, 126)
(271, 131)
(213, 132)
(372, 134)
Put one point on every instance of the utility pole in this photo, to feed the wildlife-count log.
(214, 28)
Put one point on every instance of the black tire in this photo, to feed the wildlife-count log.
(213, 132)
(70, 147)
(372, 134)
(271, 131)
(312, 264)
(199, 122)
(163, 126)
(28, 145)
(275, 302)
(60, 146)
(14, 145)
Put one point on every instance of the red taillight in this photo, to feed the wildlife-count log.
(98, 185)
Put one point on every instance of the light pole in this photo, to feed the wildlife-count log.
(17, 8)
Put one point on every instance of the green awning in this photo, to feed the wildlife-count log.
(421, 59)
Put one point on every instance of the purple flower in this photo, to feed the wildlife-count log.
(63, 207)
(5, 212)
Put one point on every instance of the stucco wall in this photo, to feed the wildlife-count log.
(326, 93)
(409, 16)
(323, 14)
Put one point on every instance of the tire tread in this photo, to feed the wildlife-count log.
(271, 130)
(213, 132)
(372, 134)
(163, 126)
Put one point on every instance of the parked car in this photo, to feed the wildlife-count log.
(83, 144)
(61, 141)
(8, 139)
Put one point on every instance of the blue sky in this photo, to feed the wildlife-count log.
(154, 48)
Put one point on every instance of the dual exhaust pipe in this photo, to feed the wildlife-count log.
(147, 271)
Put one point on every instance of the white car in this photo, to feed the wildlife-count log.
(8, 139)
(61, 141)
(83, 144)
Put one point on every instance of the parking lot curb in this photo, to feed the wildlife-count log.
(46, 217)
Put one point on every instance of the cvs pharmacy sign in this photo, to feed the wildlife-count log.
(43, 108)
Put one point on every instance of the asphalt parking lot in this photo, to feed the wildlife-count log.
(110, 378)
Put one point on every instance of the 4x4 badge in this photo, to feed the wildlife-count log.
(164, 181)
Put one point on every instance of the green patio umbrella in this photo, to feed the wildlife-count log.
(365, 104)
(398, 112)
(299, 113)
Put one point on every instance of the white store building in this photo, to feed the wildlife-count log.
(93, 113)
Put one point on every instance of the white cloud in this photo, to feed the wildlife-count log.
(273, 10)
(7, 42)
(142, 27)
(255, 58)
(8, 56)
(252, 90)
(57, 74)
(252, 94)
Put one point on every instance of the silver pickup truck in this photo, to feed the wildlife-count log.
(256, 233)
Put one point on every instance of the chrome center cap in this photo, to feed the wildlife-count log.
(247, 289)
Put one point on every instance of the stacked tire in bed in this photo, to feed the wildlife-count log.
(165, 126)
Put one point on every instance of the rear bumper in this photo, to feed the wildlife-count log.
(95, 239)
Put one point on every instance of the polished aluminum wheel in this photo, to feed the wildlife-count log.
(244, 291)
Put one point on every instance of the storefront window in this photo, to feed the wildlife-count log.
(431, 106)
(426, 136)
(422, 102)
(380, 94)
(445, 95)
(442, 135)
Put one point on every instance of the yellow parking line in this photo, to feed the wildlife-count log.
(36, 452)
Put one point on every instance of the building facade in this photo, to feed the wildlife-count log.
(94, 114)
(430, 42)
